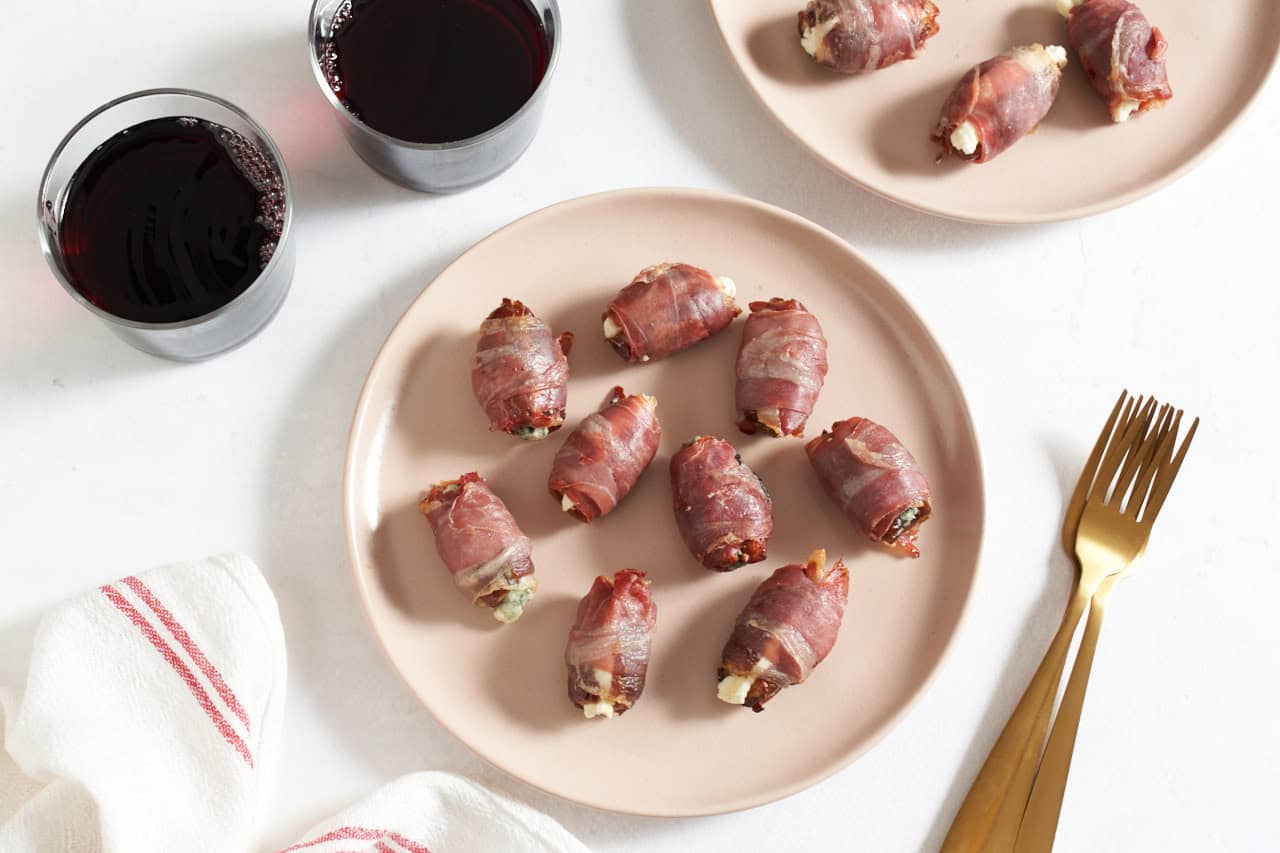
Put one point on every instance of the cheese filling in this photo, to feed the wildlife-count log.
(611, 329)
(965, 138)
(602, 707)
(1065, 6)
(1124, 110)
(1058, 54)
(734, 688)
(567, 504)
(812, 37)
(726, 284)
(512, 605)
(532, 433)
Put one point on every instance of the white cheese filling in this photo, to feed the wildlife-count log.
(726, 284)
(1124, 110)
(567, 504)
(812, 37)
(1058, 54)
(1065, 6)
(965, 138)
(611, 329)
(734, 688)
(601, 707)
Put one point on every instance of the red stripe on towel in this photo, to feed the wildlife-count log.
(184, 672)
(360, 833)
(183, 638)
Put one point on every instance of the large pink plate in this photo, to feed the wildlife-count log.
(501, 690)
(874, 128)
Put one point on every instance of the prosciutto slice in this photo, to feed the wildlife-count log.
(1121, 52)
(520, 374)
(1000, 101)
(787, 628)
(874, 481)
(608, 651)
(852, 36)
(724, 514)
(668, 308)
(482, 546)
(782, 363)
(602, 459)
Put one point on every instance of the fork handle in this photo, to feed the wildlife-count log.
(973, 824)
(1040, 823)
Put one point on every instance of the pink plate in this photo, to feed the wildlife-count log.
(874, 128)
(501, 690)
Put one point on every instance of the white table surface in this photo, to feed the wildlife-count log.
(114, 461)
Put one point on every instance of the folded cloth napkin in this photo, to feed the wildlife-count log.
(150, 722)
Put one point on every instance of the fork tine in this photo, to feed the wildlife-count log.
(1113, 438)
(1121, 447)
(1168, 471)
(1140, 453)
(1156, 455)
(1075, 507)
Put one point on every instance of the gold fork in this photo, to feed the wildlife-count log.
(1007, 775)
(1113, 533)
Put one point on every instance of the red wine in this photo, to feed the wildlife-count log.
(435, 70)
(170, 219)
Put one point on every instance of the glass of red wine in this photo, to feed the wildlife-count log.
(167, 213)
(437, 95)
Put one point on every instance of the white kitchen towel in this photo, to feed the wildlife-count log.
(150, 722)
(151, 716)
(437, 813)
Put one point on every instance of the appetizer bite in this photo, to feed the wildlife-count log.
(874, 481)
(520, 374)
(603, 458)
(608, 651)
(668, 308)
(723, 511)
(851, 36)
(1000, 101)
(482, 546)
(782, 362)
(787, 628)
(1121, 52)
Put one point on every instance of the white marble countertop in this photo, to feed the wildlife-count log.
(115, 461)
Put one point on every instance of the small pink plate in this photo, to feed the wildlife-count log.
(874, 128)
(501, 690)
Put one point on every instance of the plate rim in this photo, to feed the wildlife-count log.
(361, 421)
(1066, 215)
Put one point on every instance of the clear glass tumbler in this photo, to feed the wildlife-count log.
(229, 325)
(439, 167)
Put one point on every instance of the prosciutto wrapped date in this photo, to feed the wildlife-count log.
(874, 481)
(482, 546)
(787, 628)
(1121, 52)
(724, 514)
(602, 459)
(520, 374)
(608, 651)
(852, 36)
(782, 362)
(1000, 101)
(667, 308)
